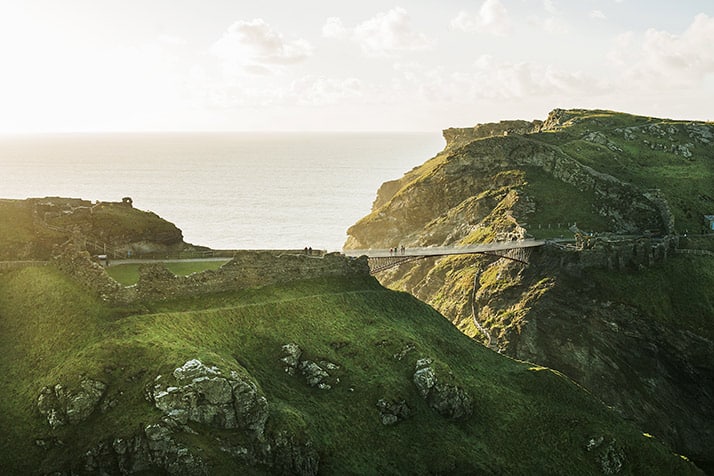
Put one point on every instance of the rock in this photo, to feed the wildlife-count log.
(82, 403)
(291, 357)
(596, 138)
(61, 406)
(153, 451)
(610, 457)
(402, 353)
(206, 395)
(424, 377)
(448, 399)
(49, 406)
(391, 412)
(250, 406)
(328, 365)
(314, 374)
(290, 456)
(193, 369)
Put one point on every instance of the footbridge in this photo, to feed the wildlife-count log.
(383, 259)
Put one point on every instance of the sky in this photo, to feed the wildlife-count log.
(328, 65)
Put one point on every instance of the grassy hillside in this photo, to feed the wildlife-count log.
(29, 229)
(633, 328)
(626, 158)
(525, 419)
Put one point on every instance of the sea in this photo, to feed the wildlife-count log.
(223, 190)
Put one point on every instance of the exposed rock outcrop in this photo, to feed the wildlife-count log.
(288, 455)
(393, 411)
(610, 456)
(447, 398)
(292, 353)
(314, 373)
(207, 395)
(154, 450)
(62, 406)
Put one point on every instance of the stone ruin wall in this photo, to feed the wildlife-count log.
(620, 255)
(247, 269)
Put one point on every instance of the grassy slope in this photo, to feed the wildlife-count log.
(19, 237)
(687, 184)
(23, 237)
(525, 419)
(128, 274)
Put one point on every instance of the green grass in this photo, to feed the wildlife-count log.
(557, 205)
(524, 420)
(685, 183)
(675, 293)
(128, 274)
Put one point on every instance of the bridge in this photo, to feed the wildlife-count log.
(383, 259)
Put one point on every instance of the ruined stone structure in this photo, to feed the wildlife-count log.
(247, 269)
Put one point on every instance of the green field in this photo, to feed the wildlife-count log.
(128, 274)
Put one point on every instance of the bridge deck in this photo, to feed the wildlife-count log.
(446, 250)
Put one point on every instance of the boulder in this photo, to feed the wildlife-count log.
(609, 456)
(153, 451)
(424, 377)
(291, 357)
(207, 395)
(392, 411)
(62, 406)
(314, 374)
(447, 398)
(291, 456)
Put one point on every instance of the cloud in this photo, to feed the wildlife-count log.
(663, 60)
(333, 28)
(172, 40)
(597, 15)
(554, 23)
(320, 91)
(549, 6)
(490, 79)
(384, 35)
(492, 18)
(254, 42)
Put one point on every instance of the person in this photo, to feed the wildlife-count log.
(403, 249)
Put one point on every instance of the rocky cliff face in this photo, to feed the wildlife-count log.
(37, 225)
(610, 178)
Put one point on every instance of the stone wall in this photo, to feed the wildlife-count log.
(247, 269)
(619, 255)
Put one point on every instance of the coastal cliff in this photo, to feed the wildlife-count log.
(31, 228)
(278, 362)
(621, 310)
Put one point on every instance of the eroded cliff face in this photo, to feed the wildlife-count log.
(36, 225)
(614, 314)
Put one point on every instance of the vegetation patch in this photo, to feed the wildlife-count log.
(53, 332)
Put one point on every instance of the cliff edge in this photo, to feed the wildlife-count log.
(623, 309)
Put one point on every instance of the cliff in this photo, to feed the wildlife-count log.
(29, 229)
(620, 310)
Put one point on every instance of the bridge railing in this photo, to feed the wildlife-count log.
(444, 250)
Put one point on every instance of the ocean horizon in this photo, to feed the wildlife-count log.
(225, 190)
